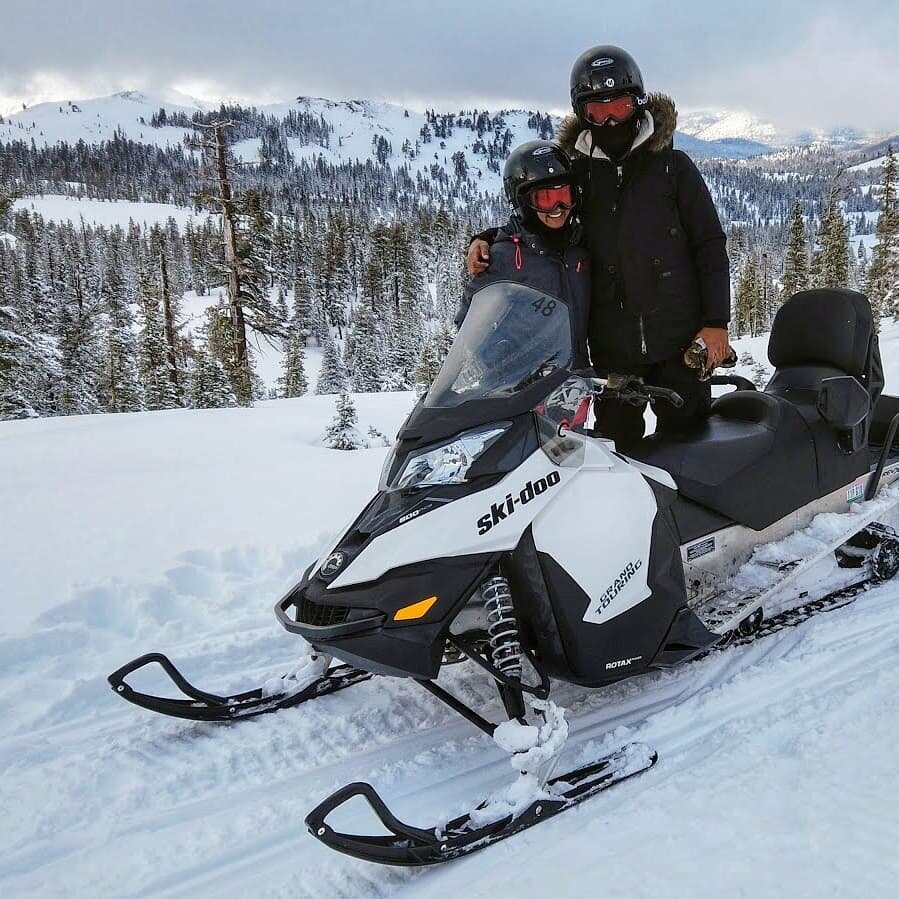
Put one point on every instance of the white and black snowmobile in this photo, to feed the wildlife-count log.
(506, 533)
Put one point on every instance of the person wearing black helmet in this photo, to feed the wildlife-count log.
(539, 244)
(661, 277)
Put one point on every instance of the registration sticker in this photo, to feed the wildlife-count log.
(855, 492)
(701, 549)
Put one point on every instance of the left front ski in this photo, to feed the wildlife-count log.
(412, 846)
(282, 693)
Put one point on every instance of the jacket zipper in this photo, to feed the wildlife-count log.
(620, 172)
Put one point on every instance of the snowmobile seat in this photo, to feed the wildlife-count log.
(822, 334)
(752, 461)
(761, 455)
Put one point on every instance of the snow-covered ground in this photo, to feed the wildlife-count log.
(57, 208)
(177, 531)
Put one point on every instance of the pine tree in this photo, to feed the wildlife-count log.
(748, 315)
(13, 346)
(432, 356)
(795, 274)
(293, 381)
(208, 386)
(342, 433)
(119, 386)
(78, 338)
(364, 353)
(883, 272)
(254, 251)
(332, 377)
(830, 263)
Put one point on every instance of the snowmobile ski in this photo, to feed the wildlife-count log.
(202, 706)
(409, 846)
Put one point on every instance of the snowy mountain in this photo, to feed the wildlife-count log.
(355, 122)
(712, 125)
(715, 125)
(777, 760)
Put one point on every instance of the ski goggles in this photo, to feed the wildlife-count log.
(617, 109)
(549, 199)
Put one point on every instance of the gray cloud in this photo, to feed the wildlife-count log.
(800, 63)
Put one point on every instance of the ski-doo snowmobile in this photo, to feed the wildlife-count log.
(507, 533)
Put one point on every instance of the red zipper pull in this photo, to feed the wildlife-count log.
(517, 242)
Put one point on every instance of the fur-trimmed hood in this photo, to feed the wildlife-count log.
(662, 118)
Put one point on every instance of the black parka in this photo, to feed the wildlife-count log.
(523, 257)
(659, 264)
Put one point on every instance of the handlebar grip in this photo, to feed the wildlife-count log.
(663, 393)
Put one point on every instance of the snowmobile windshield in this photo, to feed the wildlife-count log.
(512, 338)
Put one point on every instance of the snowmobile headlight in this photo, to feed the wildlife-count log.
(446, 464)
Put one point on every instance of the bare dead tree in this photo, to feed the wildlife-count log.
(220, 168)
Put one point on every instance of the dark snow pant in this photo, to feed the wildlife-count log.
(625, 424)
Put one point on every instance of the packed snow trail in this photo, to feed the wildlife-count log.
(797, 731)
(777, 760)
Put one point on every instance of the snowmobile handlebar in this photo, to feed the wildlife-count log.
(631, 389)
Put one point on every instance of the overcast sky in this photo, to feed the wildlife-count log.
(798, 63)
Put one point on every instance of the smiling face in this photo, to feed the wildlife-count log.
(555, 219)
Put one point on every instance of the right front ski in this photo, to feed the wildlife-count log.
(412, 846)
(201, 706)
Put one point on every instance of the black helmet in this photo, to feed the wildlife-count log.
(602, 72)
(531, 164)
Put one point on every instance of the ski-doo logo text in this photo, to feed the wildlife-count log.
(618, 585)
(503, 509)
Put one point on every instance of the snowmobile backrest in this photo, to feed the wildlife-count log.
(821, 334)
(826, 326)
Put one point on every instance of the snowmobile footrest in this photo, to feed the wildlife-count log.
(406, 845)
(202, 706)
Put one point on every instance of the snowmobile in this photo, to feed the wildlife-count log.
(508, 533)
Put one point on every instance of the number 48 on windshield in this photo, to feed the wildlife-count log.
(544, 306)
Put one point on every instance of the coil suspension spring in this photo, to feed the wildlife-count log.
(502, 627)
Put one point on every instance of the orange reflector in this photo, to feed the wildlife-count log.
(416, 610)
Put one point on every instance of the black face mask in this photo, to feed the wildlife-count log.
(615, 140)
(555, 239)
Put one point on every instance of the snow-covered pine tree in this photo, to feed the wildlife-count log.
(830, 262)
(332, 376)
(748, 301)
(152, 363)
(39, 377)
(13, 348)
(254, 249)
(342, 433)
(365, 357)
(282, 262)
(883, 272)
(293, 380)
(334, 278)
(168, 299)
(795, 271)
(78, 335)
(208, 386)
(433, 354)
(303, 319)
(119, 385)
